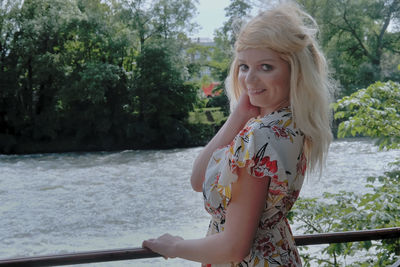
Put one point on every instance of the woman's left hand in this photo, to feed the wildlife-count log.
(164, 245)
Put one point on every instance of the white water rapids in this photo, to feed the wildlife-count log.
(74, 202)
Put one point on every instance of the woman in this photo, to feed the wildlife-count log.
(252, 171)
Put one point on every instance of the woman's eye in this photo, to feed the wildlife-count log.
(243, 67)
(266, 67)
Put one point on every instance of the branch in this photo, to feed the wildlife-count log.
(391, 10)
(353, 32)
(309, 224)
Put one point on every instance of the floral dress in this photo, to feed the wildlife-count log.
(269, 146)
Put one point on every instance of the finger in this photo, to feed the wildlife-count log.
(178, 237)
(147, 243)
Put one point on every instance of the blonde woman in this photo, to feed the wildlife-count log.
(252, 171)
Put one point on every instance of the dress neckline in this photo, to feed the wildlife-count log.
(287, 109)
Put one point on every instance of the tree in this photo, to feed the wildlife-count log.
(68, 69)
(355, 36)
(166, 19)
(32, 64)
(164, 96)
(236, 12)
(54, 64)
(222, 54)
(91, 104)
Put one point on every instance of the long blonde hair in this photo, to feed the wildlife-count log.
(291, 32)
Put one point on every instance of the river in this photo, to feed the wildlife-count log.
(73, 202)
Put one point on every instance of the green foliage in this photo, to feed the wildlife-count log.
(207, 116)
(221, 101)
(357, 40)
(372, 112)
(166, 19)
(198, 55)
(349, 211)
(164, 98)
(217, 58)
(69, 69)
(202, 133)
(235, 12)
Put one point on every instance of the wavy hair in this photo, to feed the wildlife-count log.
(291, 32)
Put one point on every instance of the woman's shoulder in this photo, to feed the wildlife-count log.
(278, 124)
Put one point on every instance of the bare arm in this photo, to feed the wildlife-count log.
(234, 243)
(236, 121)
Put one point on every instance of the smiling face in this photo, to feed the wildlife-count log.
(265, 77)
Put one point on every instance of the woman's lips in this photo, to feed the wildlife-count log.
(257, 92)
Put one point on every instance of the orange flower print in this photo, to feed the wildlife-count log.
(244, 131)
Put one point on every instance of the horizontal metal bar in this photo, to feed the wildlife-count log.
(343, 237)
(141, 253)
(81, 257)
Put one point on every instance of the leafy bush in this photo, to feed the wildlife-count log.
(349, 211)
(372, 112)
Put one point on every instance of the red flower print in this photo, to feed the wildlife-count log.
(285, 245)
(271, 222)
(272, 166)
(217, 178)
(276, 181)
(258, 174)
(275, 192)
(265, 245)
(297, 256)
(290, 199)
(295, 194)
(261, 165)
(279, 131)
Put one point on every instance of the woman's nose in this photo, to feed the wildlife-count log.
(251, 76)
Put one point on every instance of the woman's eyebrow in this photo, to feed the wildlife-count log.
(259, 61)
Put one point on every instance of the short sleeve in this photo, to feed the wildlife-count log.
(253, 149)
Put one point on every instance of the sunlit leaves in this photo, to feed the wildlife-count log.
(374, 112)
(350, 211)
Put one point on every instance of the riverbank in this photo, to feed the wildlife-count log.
(200, 127)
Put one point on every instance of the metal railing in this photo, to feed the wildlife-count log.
(141, 253)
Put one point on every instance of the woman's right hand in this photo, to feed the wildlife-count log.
(245, 109)
(243, 112)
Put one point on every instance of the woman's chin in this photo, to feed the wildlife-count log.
(256, 103)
